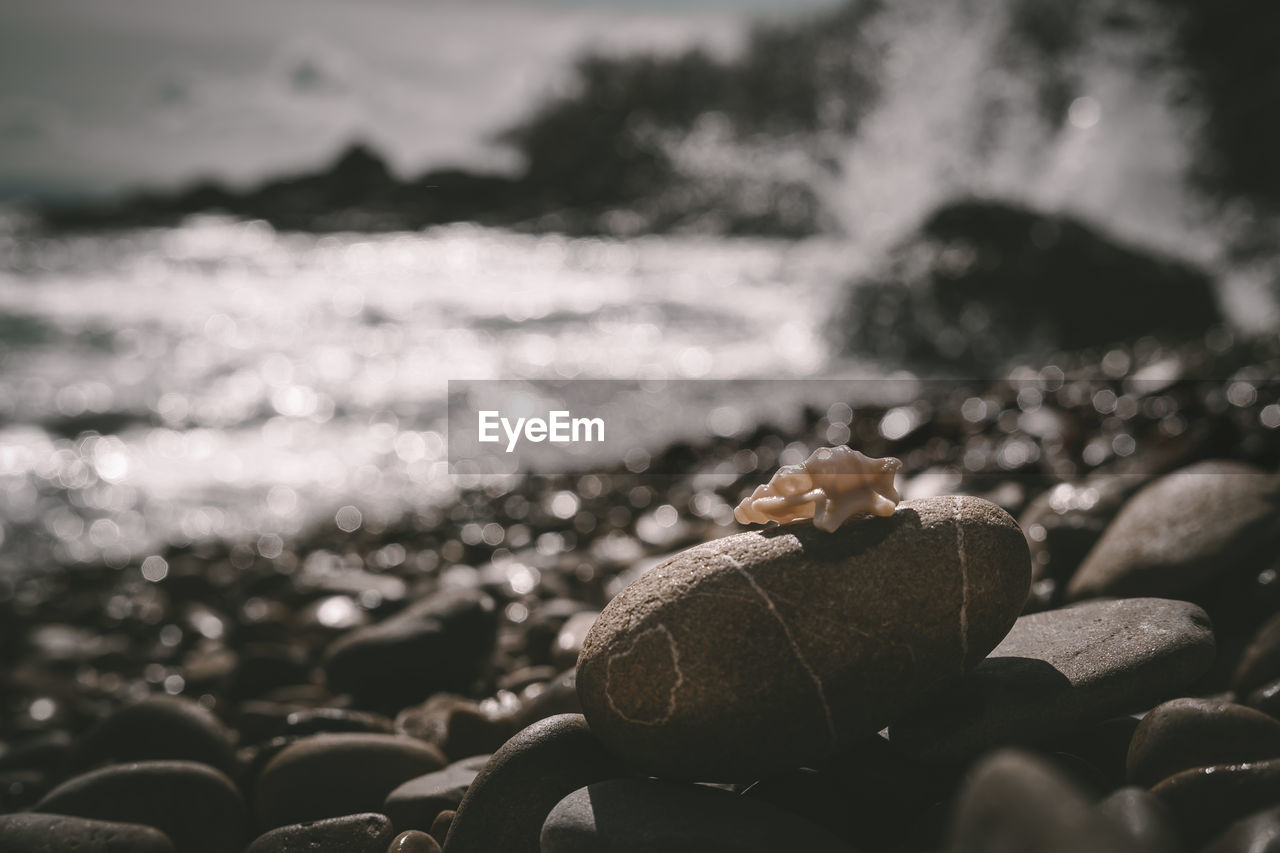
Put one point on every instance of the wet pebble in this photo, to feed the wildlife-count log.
(505, 806)
(355, 833)
(1206, 800)
(414, 841)
(52, 833)
(415, 804)
(1186, 733)
(331, 775)
(196, 806)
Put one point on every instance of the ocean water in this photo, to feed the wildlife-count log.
(221, 380)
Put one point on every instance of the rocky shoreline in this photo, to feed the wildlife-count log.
(350, 690)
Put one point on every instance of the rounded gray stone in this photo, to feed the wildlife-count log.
(644, 815)
(159, 728)
(771, 649)
(1062, 670)
(1258, 833)
(1183, 530)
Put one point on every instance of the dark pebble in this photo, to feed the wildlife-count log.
(1187, 733)
(1260, 663)
(645, 815)
(1205, 800)
(1143, 820)
(161, 728)
(196, 806)
(505, 806)
(52, 833)
(415, 804)
(1060, 671)
(1258, 833)
(332, 775)
(356, 833)
(414, 841)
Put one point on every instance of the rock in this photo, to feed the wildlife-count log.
(1103, 749)
(312, 721)
(505, 806)
(458, 726)
(1266, 699)
(1260, 663)
(1183, 530)
(1258, 833)
(1143, 820)
(196, 806)
(53, 833)
(1186, 733)
(332, 775)
(1205, 800)
(984, 281)
(1060, 671)
(440, 643)
(568, 643)
(1063, 523)
(440, 826)
(558, 696)
(415, 804)
(1014, 802)
(414, 841)
(644, 815)
(771, 649)
(159, 728)
(356, 833)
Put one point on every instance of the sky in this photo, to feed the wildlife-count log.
(98, 97)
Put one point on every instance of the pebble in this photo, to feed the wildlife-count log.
(568, 643)
(440, 826)
(331, 775)
(196, 806)
(1258, 833)
(159, 728)
(52, 833)
(437, 644)
(774, 648)
(312, 721)
(1065, 522)
(1183, 530)
(1014, 802)
(645, 815)
(504, 808)
(355, 833)
(458, 726)
(415, 804)
(1143, 820)
(1206, 800)
(1062, 670)
(1186, 733)
(414, 841)
(1260, 662)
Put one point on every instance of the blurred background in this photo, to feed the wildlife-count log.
(244, 245)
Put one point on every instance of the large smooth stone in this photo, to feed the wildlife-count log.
(440, 643)
(505, 806)
(1182, 530)
(355, 833)
(55, 833)
(645, 815)
(332, 775)
(1061, 670)
(1187, 733)
(770, 649)
(159, 728)
(196, 806)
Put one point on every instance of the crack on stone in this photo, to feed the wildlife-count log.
(786, 630)
(675, 666)
(964, 587)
